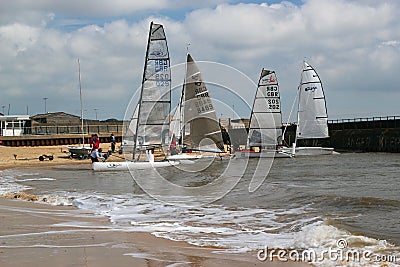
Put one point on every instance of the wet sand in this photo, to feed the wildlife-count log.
(34, 234)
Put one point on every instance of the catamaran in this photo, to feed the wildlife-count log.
(195, 116)
(149, 125)
(265, 130)
(312, 116)
(81, 151)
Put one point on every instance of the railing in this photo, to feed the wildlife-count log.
(72, 129)
(382, 118)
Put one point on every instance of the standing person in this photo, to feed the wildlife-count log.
(94, 142)
(172, 147)
(112, 141)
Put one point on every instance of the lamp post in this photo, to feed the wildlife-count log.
(45, 107)
(3, 109)
(95, 110)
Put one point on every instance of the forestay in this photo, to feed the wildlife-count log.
(175, 127)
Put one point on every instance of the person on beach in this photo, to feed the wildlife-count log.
(172, 147)
(96, 155)
(112, 141)
(94, 142)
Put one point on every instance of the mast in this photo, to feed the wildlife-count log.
(290, 115)
(141, 90)
(298, 114)
(80, 97)
(181, 107)
(298, 95)
(252, 111)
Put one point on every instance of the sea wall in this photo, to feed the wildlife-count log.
(379, 134)
(52, 139)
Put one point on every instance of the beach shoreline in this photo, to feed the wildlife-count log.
(37, 233)
(46, 235)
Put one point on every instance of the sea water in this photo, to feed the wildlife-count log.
(349, 201)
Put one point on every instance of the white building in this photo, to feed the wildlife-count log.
(13, 125)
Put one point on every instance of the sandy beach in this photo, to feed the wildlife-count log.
(33, 233)
(11, 157)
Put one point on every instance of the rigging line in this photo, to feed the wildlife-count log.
(290, 115)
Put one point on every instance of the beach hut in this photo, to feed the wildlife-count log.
(13, 125)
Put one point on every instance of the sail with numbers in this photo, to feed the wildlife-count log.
(265, 128)
(199, 111)
(149, 126)
(152, 127)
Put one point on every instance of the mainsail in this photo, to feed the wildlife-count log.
(152, 128)
(265, 128)
(312, 118)
(198, 109)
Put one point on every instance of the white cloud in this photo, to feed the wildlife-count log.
(354, 45)
(39, 11)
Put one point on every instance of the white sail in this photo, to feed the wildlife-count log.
(199, 111)
(312, 115)
(155, 101)
(265, 129)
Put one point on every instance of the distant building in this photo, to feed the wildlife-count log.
(14, 125)
(64, 123)
(55, 118)
(240, 123)
(228, 123)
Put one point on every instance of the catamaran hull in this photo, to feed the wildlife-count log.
(263, 154)
(184, 157)
(310, 151)
(130, 165)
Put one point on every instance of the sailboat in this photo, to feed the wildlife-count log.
(196, 115)
(81, 151)
(149, 125)
(178, 132)
(265, 130)
(312, 116)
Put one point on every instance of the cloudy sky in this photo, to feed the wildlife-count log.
(353, 44)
